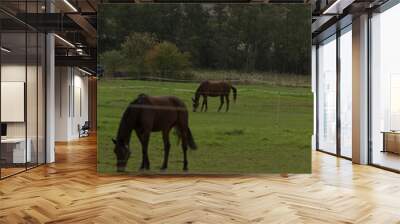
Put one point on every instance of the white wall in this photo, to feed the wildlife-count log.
(62, 81)
(33, 127)
(17, 73)
(81, 104)
(12, 73)
(71, 87)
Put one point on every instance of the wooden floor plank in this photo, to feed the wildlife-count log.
(70, 191)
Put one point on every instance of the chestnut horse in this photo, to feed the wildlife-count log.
(149, 114)
(213, 89)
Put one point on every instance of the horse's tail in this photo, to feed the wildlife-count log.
(234, 93)
(189, 137)
(182, 127)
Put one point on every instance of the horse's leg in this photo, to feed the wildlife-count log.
(146, 145)
(140, 137)
(144, 140)
(222, 103)
(203, 104)
(184, 149)
(205, 98)
(227, 102)
(167, 146)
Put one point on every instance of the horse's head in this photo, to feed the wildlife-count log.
(195, 104)
(122, 152)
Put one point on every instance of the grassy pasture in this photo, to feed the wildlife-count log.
(268, 129)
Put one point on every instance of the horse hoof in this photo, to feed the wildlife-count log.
(163, 169)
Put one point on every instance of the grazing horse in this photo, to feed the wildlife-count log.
(148, 114)
(213, 89)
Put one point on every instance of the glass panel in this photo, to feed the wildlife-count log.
(13, 87)
(23, 90)
(327, 96)
(32, 95)
(32, 88)
(41, 98)
(385, 89)
(346, 93)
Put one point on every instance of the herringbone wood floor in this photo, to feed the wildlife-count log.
(70, 191)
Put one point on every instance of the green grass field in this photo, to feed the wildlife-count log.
(268, 129)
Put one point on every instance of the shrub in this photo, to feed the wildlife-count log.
(112, 61)
(167, 61)
(134, 49)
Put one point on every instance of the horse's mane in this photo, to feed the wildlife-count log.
(129, 117)
(139, 99)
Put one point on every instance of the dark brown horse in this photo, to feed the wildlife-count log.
(149, 114)
(213, 89)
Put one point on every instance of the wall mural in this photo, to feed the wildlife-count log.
(204, 88)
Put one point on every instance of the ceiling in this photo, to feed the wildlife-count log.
(336, 14)
(74, 22)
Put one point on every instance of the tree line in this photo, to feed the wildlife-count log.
(166, 39)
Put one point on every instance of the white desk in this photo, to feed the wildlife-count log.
(17, 145)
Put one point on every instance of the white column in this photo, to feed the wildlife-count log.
(50, 93)
(360, 90)
(50, 110)
(314, 91)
